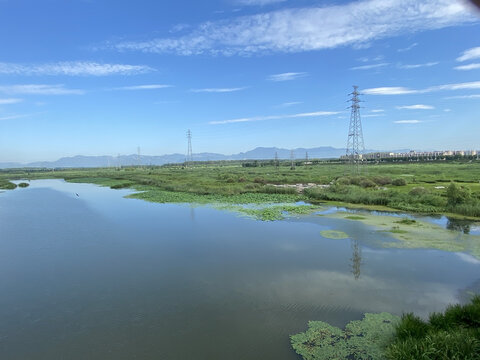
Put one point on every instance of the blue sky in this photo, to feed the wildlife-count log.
(100, 77)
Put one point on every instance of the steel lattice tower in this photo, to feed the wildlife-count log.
(189, 149)
(355, 145)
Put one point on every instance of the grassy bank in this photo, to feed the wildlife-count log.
(413, 187)
(452, 335)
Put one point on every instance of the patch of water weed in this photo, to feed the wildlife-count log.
(354, 217)
(274, 212)
(23, 185)
(406, 222)
(334, 234)
(361, 340)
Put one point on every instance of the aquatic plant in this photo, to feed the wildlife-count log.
(23, 185)
(361, 340)
(355, 217)
(334, 234)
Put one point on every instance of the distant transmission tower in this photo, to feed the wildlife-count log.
(189, 158)
(276, 159)
(355, 145)
(292, 159)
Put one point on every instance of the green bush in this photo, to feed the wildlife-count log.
(399, 182)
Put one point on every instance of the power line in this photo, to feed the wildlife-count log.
(355, 145)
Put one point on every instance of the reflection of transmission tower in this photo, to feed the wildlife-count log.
(189, 149)
(355, 146)
(356, 259)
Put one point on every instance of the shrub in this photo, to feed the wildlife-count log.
(399, 182)
(418, 191)
(382, 180)
(23, 185)
(366, 183)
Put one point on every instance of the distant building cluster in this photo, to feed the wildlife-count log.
(414, 155)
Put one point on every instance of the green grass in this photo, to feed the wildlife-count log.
(355, 217)
(373, 189)
(452, 335)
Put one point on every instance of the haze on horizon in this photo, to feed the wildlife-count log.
(97, 77)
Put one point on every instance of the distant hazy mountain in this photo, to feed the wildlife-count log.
(259, 153)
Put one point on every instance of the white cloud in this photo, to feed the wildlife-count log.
(416, 66)
(408, 121)
(416, 107)
(377, 110)
(275, 117)
(143, 87)
(392, 90)
(367, 67)
(310, 28)
(74, 68)
(286, 76)
(258, 2)
(470, 54)
(39, 89)
(373, 115)
(468, 67)
(395, 90)
(218, 90)
(10, 101)
(12, 117)
(291, 103)
(472, 96)
(407, 48)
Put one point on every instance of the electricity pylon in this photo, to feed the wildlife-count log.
(189, 158)
(355, 145)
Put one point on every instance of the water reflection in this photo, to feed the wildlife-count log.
(356, 259)
(459, 225)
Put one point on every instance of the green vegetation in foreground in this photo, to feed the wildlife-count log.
(334, 234)
(429, 187)
(418, 234)
(452, 335)
(361, 340)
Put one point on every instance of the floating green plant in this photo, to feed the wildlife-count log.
(334, 234)
(363, 339)
(355, 217)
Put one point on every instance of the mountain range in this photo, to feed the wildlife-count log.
(259, 153)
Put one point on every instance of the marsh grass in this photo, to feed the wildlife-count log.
(453, 334)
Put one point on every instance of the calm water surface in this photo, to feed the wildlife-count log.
(97, 276)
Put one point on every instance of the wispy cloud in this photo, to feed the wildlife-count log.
(373, 115)
(275, 117)
(472, 96)
(143, 87)
(416, 66)
(395, 90)
(10, 101)
(470, 54)
(218, 90)
(468, 67)
(371, 66)
(40, 89)
(74, 68)
(286, 76)
(408, 48)
(12, 117)
(291, 103)
(309, 28)
(258, 2)
(408, 121)
(416, 107)
(377, 110)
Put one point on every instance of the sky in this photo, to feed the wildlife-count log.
(103, 77)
